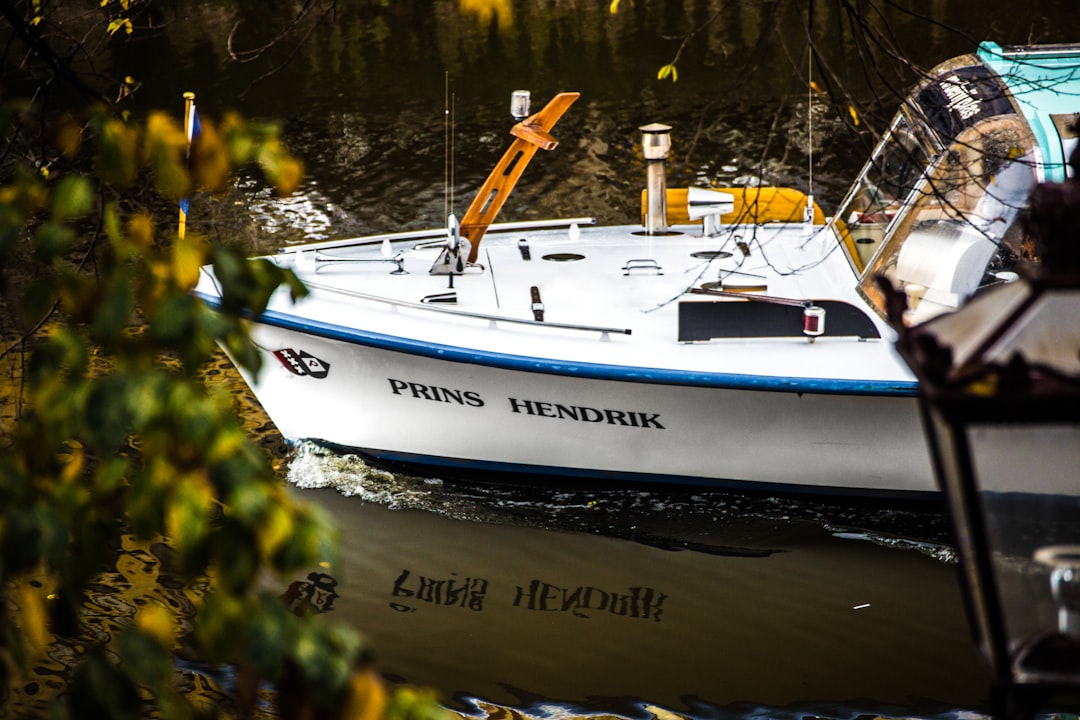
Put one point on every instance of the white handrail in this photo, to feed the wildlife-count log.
(433, 233)
(462, 313)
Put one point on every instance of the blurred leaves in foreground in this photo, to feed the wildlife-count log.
(115, 436)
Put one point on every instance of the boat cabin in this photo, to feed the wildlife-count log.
(938, 208)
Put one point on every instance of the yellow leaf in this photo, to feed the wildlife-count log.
(816, 88)
(365, 697)
(225, 444)
(210, 166)
(614, 7)
(189, 254)
(73, 468)
(65, 135)
(140, 230)
(276, 528)
(668, 71)
(290, 173)
(34, 618)
(156, 621)
(187, 516)
(165, 150)
(854, 115)
(117, 150)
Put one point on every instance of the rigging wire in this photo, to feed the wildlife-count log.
(446, 146)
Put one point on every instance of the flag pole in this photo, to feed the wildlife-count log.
(189, 106)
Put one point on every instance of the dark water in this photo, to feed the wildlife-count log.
(365, 99)
(571, 602)
(623, 602)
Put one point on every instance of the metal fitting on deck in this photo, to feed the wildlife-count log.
(519, 104)
(655, 144)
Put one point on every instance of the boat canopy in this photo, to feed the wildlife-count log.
(937, 209)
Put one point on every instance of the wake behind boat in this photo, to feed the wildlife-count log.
(731, 339)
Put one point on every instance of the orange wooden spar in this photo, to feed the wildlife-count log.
(530, 134)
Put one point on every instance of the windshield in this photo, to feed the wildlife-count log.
(896, 167)
(960, 231)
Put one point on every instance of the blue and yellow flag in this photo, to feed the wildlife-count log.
(192, 128)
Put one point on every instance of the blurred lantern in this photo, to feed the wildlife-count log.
(1000, 384)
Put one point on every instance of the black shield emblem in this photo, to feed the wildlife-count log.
(300, 362)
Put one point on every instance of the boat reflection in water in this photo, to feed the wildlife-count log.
(677, 602)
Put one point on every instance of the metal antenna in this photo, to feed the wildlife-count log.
(810, 110)
(448, 148)
(453, 127)
(446, 144)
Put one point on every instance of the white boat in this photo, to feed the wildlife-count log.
(731, 338)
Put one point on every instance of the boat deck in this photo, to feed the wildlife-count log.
(610, 298)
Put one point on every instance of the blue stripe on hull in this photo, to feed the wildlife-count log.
(595, 371)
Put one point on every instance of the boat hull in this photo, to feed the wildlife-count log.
(479, 417)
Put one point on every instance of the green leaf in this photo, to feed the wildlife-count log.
(314, 540)
(269, 636)
(11, 227)
(100, 690)
(297, 289)
(38, 299)
(237, 559)
(109, 476)
(117, 157)
(73, 197)
(114, 311)
(111, 217)
(248, 502)
(174, 319)
(149, 663)
(243, 352)
(187, 515)
(52, 240)
(108, 422)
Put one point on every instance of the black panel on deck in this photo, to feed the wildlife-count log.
(699, 321)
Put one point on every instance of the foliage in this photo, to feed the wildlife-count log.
(118, 434)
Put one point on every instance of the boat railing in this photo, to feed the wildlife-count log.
(432, 233)
(437, 305)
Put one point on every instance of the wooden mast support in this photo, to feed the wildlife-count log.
(530, 134)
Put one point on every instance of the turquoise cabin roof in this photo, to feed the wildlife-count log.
(1044, 80)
